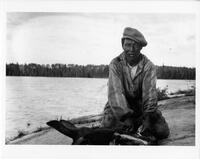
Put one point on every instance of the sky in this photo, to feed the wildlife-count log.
(95, 38)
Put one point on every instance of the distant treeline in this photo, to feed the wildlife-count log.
(90, 71)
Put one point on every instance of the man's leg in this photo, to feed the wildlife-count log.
(161, 128)
(156, 125)
(108, 120)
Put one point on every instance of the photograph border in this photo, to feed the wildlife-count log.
(55, 151)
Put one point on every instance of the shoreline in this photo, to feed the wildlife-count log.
(83, 120)
(169, 107)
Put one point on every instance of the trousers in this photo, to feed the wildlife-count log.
(150, 124)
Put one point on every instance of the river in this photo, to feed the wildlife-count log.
(32, 101)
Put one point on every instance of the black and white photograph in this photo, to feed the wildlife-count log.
(101, 78)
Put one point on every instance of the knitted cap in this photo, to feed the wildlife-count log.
(135, 35)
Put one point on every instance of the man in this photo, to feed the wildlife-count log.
(132, 96)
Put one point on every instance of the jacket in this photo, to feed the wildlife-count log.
(136, 95)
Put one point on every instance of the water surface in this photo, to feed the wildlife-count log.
(32, 101)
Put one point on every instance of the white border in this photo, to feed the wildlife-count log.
(51, 151)
(103, 6)
(197, 82)
(2, 73)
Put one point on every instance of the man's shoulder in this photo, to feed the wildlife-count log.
(148, 64)
(117, 60)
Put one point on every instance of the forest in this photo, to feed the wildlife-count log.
(89, 71)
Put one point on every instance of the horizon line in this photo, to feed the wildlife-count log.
(85, 64)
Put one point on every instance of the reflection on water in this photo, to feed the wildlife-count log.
(32, 101)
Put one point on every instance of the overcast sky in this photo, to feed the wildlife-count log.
(95, 38)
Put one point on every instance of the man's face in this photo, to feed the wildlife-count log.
(131, 48)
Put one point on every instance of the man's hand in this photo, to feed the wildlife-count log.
(126, 122)
(126, 116)
(149, 120)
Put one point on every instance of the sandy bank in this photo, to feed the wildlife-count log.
(179, 113)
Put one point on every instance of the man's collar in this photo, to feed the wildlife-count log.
(140, 65)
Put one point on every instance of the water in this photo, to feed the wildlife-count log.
(175, 85)
(32, 101)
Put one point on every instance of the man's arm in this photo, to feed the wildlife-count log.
(149, 93)
(116, 97)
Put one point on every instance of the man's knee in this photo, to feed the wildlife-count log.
(161, 131)
(156, 125)
(161, 128)
(108, 120)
